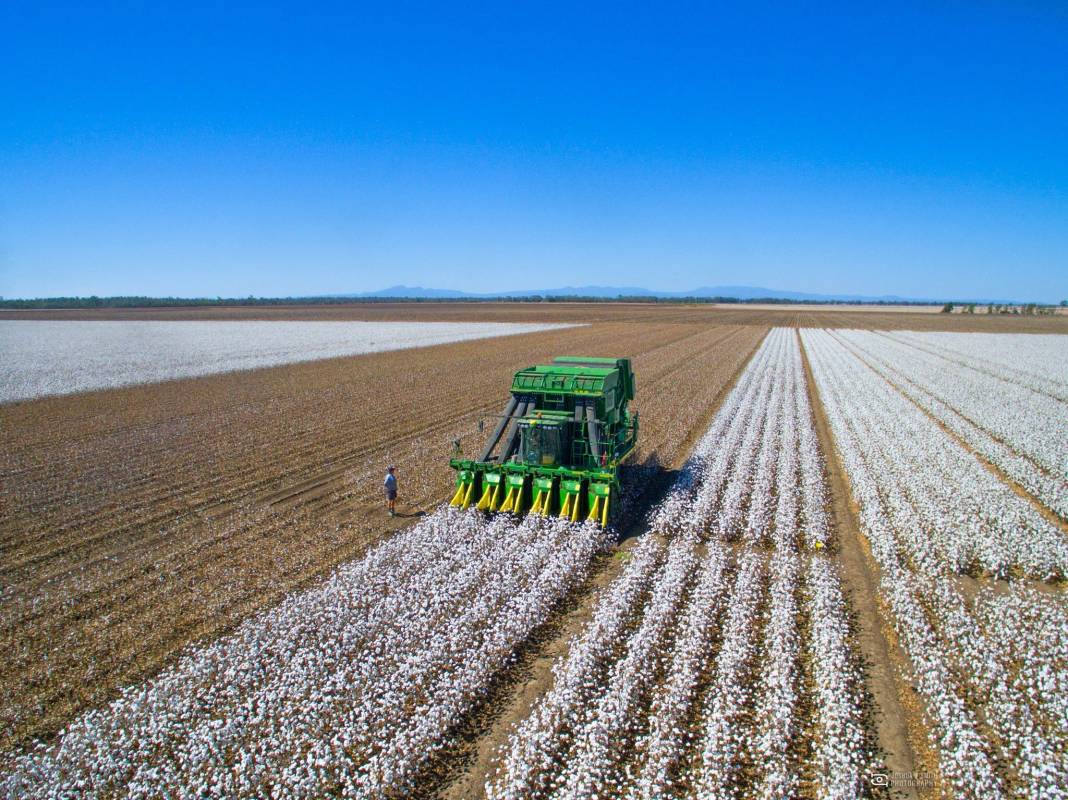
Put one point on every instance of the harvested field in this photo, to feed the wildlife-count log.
(138, 520)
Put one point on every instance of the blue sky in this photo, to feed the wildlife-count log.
(918, 150)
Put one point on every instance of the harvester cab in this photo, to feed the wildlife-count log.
(557, 447)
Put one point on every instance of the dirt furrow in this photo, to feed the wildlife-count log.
(898, 717)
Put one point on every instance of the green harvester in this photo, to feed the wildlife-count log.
(561, 438)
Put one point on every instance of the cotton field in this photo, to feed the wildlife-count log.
(211, 500)
(61, 357)
(851, 583)
(1014, 414)
(988, 657)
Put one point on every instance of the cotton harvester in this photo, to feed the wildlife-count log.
(562, 437)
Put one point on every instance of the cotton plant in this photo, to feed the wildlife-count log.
(724, 732)
(536, 753)
(664, 747)
(948, 511)
(1027, 419)
(838, 678)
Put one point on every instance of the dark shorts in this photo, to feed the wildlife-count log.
(391, 494)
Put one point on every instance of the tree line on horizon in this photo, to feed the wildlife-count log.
(140, 301)
(1025, 309)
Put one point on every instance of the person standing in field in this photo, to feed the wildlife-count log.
(390, 486)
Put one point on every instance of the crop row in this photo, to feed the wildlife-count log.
(943, 508)
(1035, 361)
(702, 665)
(44, 357)
(991, 668)
(1012, 420)
(759, 465)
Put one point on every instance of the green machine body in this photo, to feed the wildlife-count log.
(557, 446)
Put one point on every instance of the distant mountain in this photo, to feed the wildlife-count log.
(760, 293)
(582, 291)
(414, 292)
(703, 292)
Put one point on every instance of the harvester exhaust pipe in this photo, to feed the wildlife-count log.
(504, 420)
(512, 439)
(592, 432)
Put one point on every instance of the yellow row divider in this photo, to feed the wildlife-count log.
(467, 495)
(565, 507)
(595, 509)
(599, 509)
(540, 500)
(459, 496)
(511, 501)
(487, 498)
